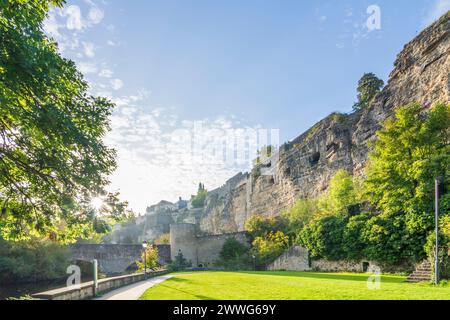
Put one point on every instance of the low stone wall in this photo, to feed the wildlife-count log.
(86, 290)
(336, 266)
(295, 259)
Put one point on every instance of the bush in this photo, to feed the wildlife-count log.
(150, 255)
(234, 256)
(180, 263)
(324, 237)
(34, 260)
(266, 249)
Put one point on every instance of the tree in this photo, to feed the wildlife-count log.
(150, 255)
(368, 87)
(300, 214)
(180, 263)
(323, 237)
(266, 249)
(411, 150)
(52, 158)
(259, 226)
(342, 193)
(199, 200)
(234, 255)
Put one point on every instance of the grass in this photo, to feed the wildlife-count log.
(280, 285)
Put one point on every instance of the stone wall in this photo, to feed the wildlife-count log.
(115, 258)
(295, 259)
(86, 290)
(201, 250)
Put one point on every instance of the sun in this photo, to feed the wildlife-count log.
(96, 203)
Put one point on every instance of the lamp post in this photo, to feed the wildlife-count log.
(254, 262)
(144, 245)
(436, 221)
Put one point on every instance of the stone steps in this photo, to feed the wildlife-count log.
(423, 273)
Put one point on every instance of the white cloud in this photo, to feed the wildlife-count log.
(439, 8)
(106, 73)
(74, 20)
(89, 49)
(87, 68)
(111, 43)
(96, 15)
(51, 25)
(117, 84)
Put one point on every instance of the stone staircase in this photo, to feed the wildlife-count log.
(423, 273)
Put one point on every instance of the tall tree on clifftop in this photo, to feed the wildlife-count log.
(368, 87)
(52, 158)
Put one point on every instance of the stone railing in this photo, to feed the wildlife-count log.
(86, 290)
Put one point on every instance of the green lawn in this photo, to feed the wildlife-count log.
(289, 286)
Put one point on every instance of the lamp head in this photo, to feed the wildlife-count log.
(144, 244)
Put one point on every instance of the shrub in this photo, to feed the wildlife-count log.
(323, 237)
(150, 255)
(234, 256)
(33, 260)
(266, 249)
(180, 263)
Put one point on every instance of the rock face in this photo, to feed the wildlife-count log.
(306, 164)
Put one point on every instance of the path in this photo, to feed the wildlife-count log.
(133, 291)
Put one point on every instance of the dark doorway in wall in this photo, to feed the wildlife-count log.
(365, 266)
(315, 158)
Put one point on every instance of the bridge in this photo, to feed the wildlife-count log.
(115, 258)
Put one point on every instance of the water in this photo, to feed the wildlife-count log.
(17, 290)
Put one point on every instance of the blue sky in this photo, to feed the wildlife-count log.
(229, 64)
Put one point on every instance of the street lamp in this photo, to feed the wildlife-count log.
(144, 245)
(436, 217)
(254, 262)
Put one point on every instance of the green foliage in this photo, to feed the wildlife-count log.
(300, 215)
(324, 237)
(33, 260)
(410, 152)
(199, 200)
(52, 158)
(412, 149)
(180, 263)
(342, 193)
(150, 255)
(444, 250)
(115, 209)
(269, 247)
(234, 256)
(259, 226)
(163, 239)
(368, 87)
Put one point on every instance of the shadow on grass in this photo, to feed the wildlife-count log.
(362, 277)
(189, 294)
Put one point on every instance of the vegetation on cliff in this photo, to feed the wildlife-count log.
(397, 199)
(368, 87)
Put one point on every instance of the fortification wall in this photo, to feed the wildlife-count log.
(201, 250)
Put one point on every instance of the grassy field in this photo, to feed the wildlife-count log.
(289, 286)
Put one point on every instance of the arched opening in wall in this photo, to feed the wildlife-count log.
(86, 269)
(272, 180)
(314, 158)
(365, 266)
(287, 171)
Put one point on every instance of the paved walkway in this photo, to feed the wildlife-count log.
(133, 291)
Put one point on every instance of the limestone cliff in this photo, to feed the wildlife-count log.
(306, 164)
